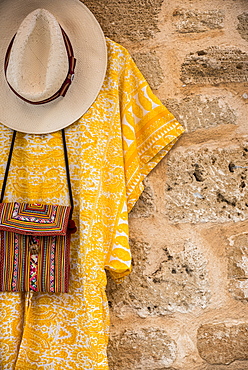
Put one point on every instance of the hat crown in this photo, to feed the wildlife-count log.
(85, 36)
(38, 62)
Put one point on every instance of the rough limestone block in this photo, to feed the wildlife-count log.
(243, 25)
(125, 19)
(207, 185)
(200, 111)
(215, 65)
(236, 365)
(142, 349)
(238, 266)
(187, 21)
(149, 65)
(145, 205)
(222, 343)
(177, 282)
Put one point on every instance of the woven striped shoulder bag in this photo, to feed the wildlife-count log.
(35, 242)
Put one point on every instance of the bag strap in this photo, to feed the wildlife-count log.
(7, 167)
(67, 172)
(66, 166)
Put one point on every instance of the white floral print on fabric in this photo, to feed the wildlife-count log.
(111, 149)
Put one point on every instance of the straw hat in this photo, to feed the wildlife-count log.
(37, 64)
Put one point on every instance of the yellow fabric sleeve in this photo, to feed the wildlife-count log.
(149, 130)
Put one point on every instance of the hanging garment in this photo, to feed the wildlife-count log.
(111, 149)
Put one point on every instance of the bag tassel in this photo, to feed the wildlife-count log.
(28, 302)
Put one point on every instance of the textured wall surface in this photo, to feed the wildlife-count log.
(185, 305)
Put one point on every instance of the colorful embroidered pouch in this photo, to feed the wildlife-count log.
(35, 242)
(34, 247)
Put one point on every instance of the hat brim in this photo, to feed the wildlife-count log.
(90, 50)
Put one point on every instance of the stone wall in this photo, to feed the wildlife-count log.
(185, 306)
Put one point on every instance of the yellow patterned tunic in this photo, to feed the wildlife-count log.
(124, 134)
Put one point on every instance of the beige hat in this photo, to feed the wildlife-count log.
(38, 66)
